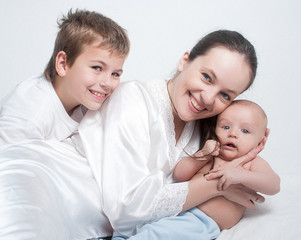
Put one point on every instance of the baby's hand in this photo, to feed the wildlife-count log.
(210, 149)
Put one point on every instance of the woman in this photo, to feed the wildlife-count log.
(144, 129)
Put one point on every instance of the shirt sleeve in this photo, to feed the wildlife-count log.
(127, 152)
(16, 128)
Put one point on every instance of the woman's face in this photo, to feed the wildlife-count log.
(205, 86)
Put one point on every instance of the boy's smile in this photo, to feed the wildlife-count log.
(91, 79)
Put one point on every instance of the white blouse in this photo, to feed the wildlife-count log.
(131, 148)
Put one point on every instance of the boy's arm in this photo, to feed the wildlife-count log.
(259, 177)
(189, 166)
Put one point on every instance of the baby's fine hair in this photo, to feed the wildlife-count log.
(231, 40)
(249, 103)
(84, 27)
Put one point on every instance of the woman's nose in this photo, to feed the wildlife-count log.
(209, 98)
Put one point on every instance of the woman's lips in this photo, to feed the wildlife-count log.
(194, 105)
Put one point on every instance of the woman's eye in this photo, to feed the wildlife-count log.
(206, 77)
(97, 68)
(245, 131)
(226, 96)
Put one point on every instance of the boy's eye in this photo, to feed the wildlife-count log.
(97, 68)
(206, 77)
(226, 96)
(245, 131)
(116, 74)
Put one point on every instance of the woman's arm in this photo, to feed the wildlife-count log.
(201, 190)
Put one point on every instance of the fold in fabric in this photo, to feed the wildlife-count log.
(47, 191)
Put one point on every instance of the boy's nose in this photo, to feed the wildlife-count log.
(105, 81)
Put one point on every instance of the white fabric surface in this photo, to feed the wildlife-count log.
(34, 111)
(130, 145)
(47, 192)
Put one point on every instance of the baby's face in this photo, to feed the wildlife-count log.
(240, 128)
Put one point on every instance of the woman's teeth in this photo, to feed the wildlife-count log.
(195, 104)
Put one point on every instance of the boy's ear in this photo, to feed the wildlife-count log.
(61, 63)
(183, 61)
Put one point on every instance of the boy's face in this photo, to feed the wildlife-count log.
(91, 79)
(240, 128)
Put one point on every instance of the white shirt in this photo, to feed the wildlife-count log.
(47, 191)
(34, 111)
(130, 145)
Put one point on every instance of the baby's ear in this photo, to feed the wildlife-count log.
(267, 132)
(61, 63)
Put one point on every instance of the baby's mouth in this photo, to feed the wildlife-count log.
(230, 146)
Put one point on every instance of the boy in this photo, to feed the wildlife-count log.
(83, 71)
(239, 129)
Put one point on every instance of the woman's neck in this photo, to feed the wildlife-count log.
(178, 122)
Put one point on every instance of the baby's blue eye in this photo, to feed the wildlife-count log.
(226, 127)
(245, 131)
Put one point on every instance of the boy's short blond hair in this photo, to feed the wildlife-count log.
(84, 27)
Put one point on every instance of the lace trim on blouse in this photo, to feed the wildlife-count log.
(169, 201)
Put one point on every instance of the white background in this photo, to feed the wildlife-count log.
(160, 31)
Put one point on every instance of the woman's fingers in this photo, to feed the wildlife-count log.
(213, 175)
(242, 195)
(221, 182)
(248, 157)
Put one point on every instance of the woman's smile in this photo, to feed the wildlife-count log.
(194, 105)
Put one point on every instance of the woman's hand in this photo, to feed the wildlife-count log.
(242, 195)
(227, 176)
